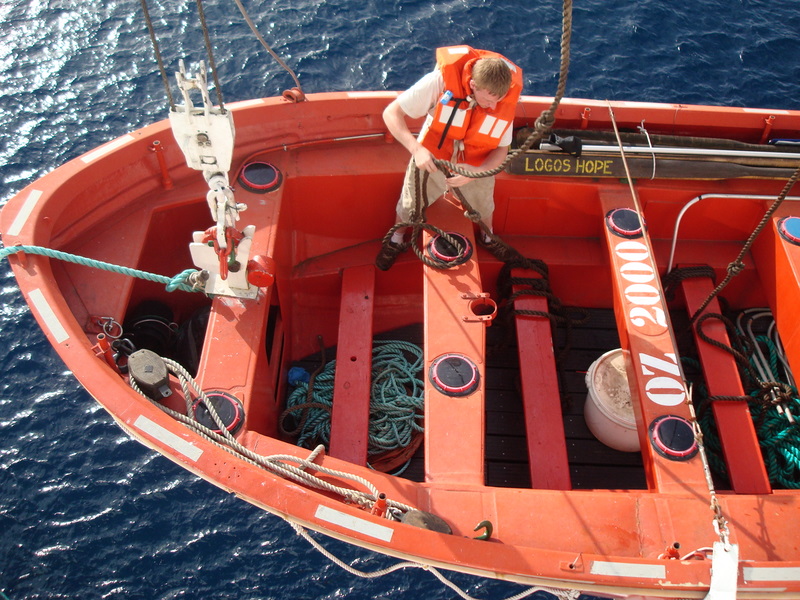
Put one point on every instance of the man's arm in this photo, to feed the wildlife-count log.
(395, 119)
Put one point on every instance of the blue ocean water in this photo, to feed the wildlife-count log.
(87, 513)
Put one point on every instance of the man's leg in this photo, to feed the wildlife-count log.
(479, 193)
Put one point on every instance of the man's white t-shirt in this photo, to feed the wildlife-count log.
(421, 98)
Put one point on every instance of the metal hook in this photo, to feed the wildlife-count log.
(487, 526)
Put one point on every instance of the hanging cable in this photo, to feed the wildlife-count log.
(157, 51)
(545, 122)
(644, 131)
(210, 53)
(264, 43)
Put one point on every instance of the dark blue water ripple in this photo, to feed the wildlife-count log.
(87, 513)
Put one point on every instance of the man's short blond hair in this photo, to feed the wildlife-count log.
(492, 75)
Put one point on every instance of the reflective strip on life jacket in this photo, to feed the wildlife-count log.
(480, 129)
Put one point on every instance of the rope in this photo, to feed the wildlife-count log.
(268, 48)
(557, 313)
(558, 593)
(542, 127)
(396, 400)
(418, 224)
(280, 464)
(157, 52)
(283, 465)
(210, 53)
(737, 266)
(671, 279)
(183, 281)
(768, 401)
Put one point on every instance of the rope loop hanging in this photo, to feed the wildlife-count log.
(542, 127)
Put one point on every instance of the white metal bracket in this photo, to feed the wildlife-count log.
(724, 572)
(206, 136)
(235, 284)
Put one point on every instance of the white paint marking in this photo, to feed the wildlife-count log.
(109, 147)
(245, 103)
(618, 569)
(771, 573)
(166, 437)
(352, 523)
(48, 316)
(27, 208)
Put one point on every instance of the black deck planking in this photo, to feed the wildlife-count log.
(592, 464)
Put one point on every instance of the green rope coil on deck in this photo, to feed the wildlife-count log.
(179, 282)
(396, 400)
(778, 437)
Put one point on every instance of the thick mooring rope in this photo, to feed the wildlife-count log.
(267, 47)
(301, 470)
(545, 122)
(178, 282)
(542, 127)
(737, 265)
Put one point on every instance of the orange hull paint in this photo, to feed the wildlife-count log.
(341, 179)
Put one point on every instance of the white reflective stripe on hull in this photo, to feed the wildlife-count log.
(352, 523)
(48, 316)
(109, 147)
(24, 212)
(166, 437)
(620, 569)
(771, 573)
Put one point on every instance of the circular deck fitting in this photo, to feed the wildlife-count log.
(454, 375)
(260, 177)
(441, 249)
(673, 437)
(228, 407)
(789, 228)
(150, 327)
(624, 222)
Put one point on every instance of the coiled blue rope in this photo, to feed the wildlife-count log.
(396, 399)
(178, 282)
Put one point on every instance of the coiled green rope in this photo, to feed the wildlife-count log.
(178, 282)
(396, 400)
(778, 437)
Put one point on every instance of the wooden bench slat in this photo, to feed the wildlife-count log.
(547, 447)
(746, 469)
(353, 379)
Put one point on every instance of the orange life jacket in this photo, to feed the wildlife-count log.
(454, 118)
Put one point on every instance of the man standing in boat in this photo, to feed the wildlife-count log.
(470, 100)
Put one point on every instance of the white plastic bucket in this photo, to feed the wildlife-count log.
(608, 410)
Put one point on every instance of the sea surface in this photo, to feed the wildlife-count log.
(87, 513)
